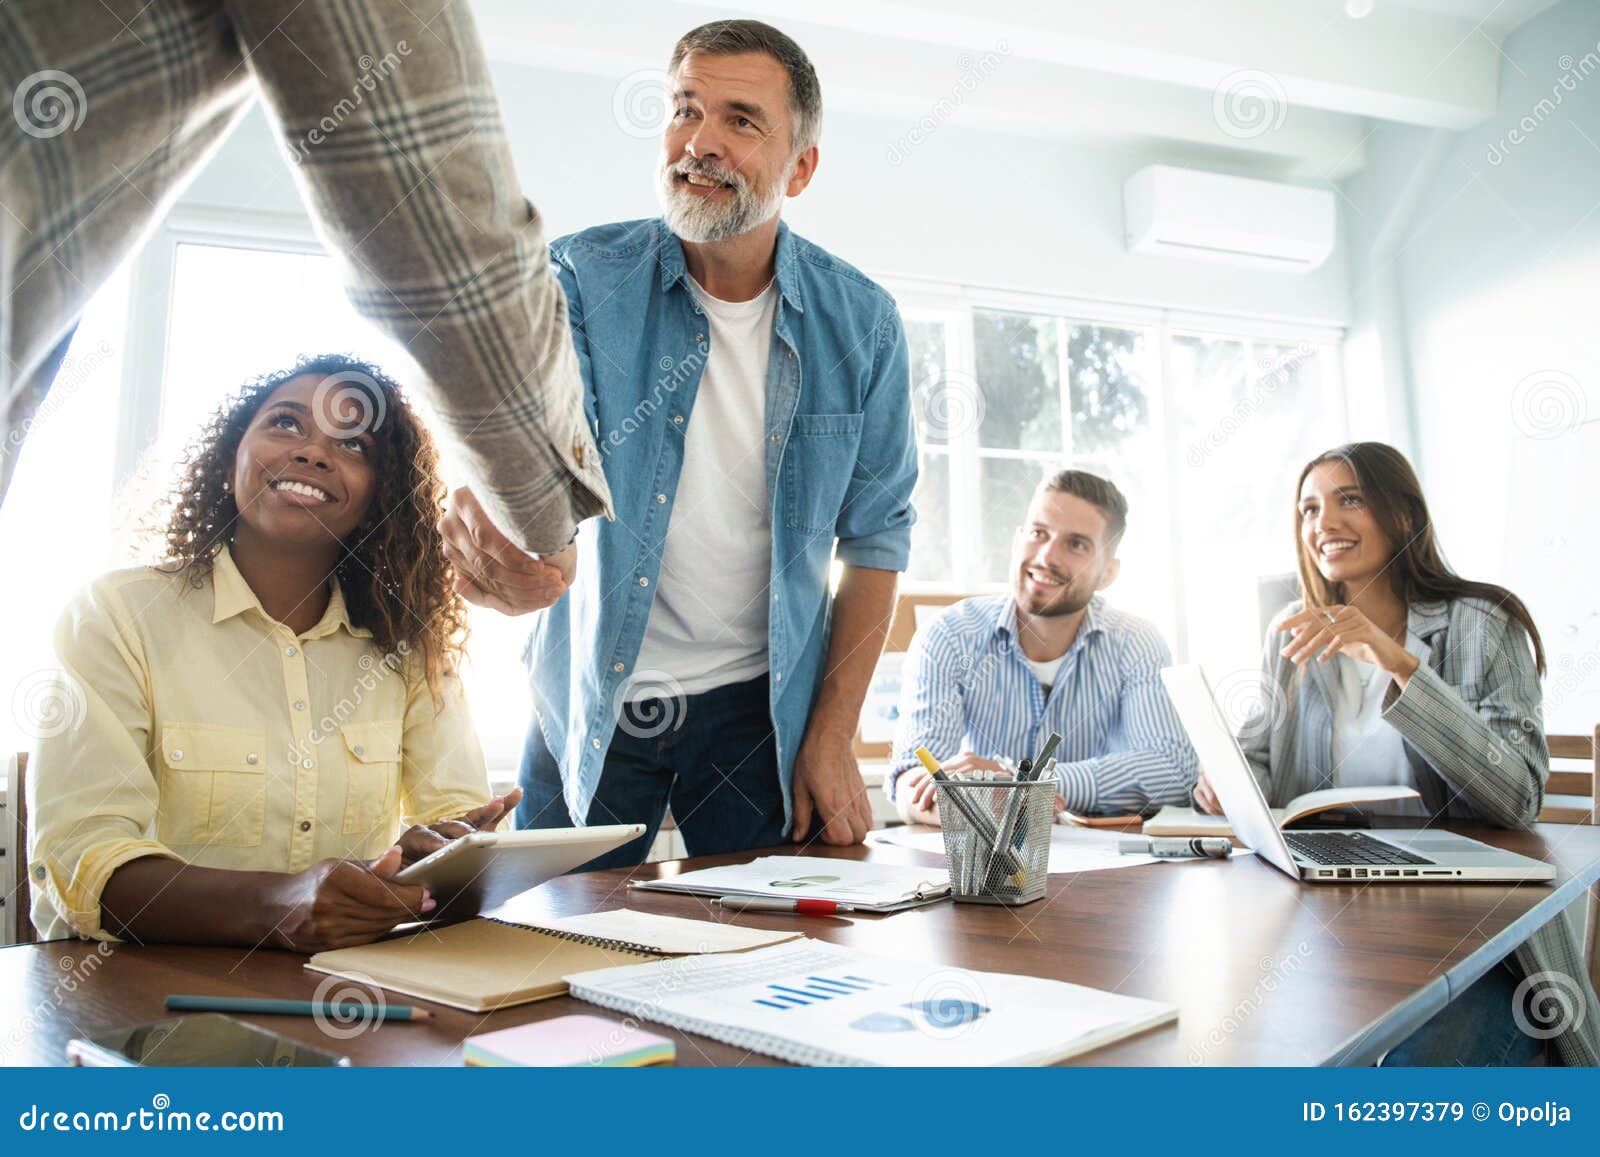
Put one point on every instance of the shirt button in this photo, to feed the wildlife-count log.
(307, 764)
(288, 652)
(38, 871)
(177, 754)
(777, 676)
(699, 337)
(616, 666)
(644, 582)
(596, 742)
(359, 750)
(677, 419)
(305, 825)
(252, 759)
(661, 499)
(299, 704)
(775, 437)
(774, 597)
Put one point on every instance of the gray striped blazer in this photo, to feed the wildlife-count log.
(1472, 721)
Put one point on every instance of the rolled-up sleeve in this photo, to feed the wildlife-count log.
(92, 798)
(874, 526)
(443, 774)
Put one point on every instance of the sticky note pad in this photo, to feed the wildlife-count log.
(569, 1042)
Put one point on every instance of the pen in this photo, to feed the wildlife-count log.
(1042, 764)
(180, 1003)
(1213, 847)
(768, 904)
(980, 823)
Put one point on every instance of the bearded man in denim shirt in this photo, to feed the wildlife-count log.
(750, 395)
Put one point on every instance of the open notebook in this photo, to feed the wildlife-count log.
(815, 1003)
(1187, 821)
(491, 963)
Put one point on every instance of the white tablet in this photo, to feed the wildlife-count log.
(478, 872)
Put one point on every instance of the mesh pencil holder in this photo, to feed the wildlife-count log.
(979, 815)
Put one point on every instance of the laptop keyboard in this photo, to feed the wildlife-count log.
(1348, 849)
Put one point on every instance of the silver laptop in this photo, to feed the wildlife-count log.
(1388, 855)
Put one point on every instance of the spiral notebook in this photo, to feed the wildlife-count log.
(511, 959)
(814, 1003)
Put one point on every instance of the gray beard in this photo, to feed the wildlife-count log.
(701, 221)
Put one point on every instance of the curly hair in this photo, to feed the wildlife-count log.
(392, 572)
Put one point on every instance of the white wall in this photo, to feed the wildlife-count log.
(1491, 317)
(964, 206)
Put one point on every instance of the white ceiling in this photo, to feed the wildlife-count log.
(1278, 87)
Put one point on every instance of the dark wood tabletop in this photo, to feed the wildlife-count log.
(1263, 970)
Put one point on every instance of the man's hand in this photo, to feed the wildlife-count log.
(339, 903)
(827, 783)
(491, 570)
(969, 763)
(422, 840)
(916, 797)
(1205, 797)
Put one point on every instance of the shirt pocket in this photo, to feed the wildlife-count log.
(372, 760)
(213, 785)
(816, 469)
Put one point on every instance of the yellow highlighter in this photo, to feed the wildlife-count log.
(977, 820)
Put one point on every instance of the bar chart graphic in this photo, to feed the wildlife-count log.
(814, 990)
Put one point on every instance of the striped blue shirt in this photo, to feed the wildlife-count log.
(967, 687)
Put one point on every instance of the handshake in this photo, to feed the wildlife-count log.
(491, 570)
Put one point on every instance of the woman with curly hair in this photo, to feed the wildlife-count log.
(263, 728)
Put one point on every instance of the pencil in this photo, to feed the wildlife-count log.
(181, 1003)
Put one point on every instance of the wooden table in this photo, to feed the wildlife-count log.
(1264, 971)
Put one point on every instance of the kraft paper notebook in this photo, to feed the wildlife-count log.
(1186, 821)
(491, 963)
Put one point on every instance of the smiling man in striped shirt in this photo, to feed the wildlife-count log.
(992, 677)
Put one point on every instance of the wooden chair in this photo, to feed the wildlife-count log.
(1573, 797)
(18, 894)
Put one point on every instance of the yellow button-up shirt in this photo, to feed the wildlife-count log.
(192, 725)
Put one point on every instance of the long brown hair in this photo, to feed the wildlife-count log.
(1417, 572)
(392, 571)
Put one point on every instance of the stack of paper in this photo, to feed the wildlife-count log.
(869, 887)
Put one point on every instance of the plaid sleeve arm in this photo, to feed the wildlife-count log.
(389, 117)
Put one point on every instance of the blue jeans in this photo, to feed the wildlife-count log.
(713, 756)
(1476, 1028)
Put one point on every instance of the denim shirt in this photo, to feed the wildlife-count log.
(841, 462)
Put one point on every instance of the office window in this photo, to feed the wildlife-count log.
(1204, 431)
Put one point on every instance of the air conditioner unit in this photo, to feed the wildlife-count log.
(1175, 212)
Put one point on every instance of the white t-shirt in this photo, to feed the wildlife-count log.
(1046, 671)
(708, 623)
(1367, 750)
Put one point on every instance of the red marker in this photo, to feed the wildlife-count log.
(799, 907)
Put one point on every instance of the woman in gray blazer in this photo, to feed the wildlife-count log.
(1395, 670)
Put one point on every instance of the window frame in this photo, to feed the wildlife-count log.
(955, 306)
